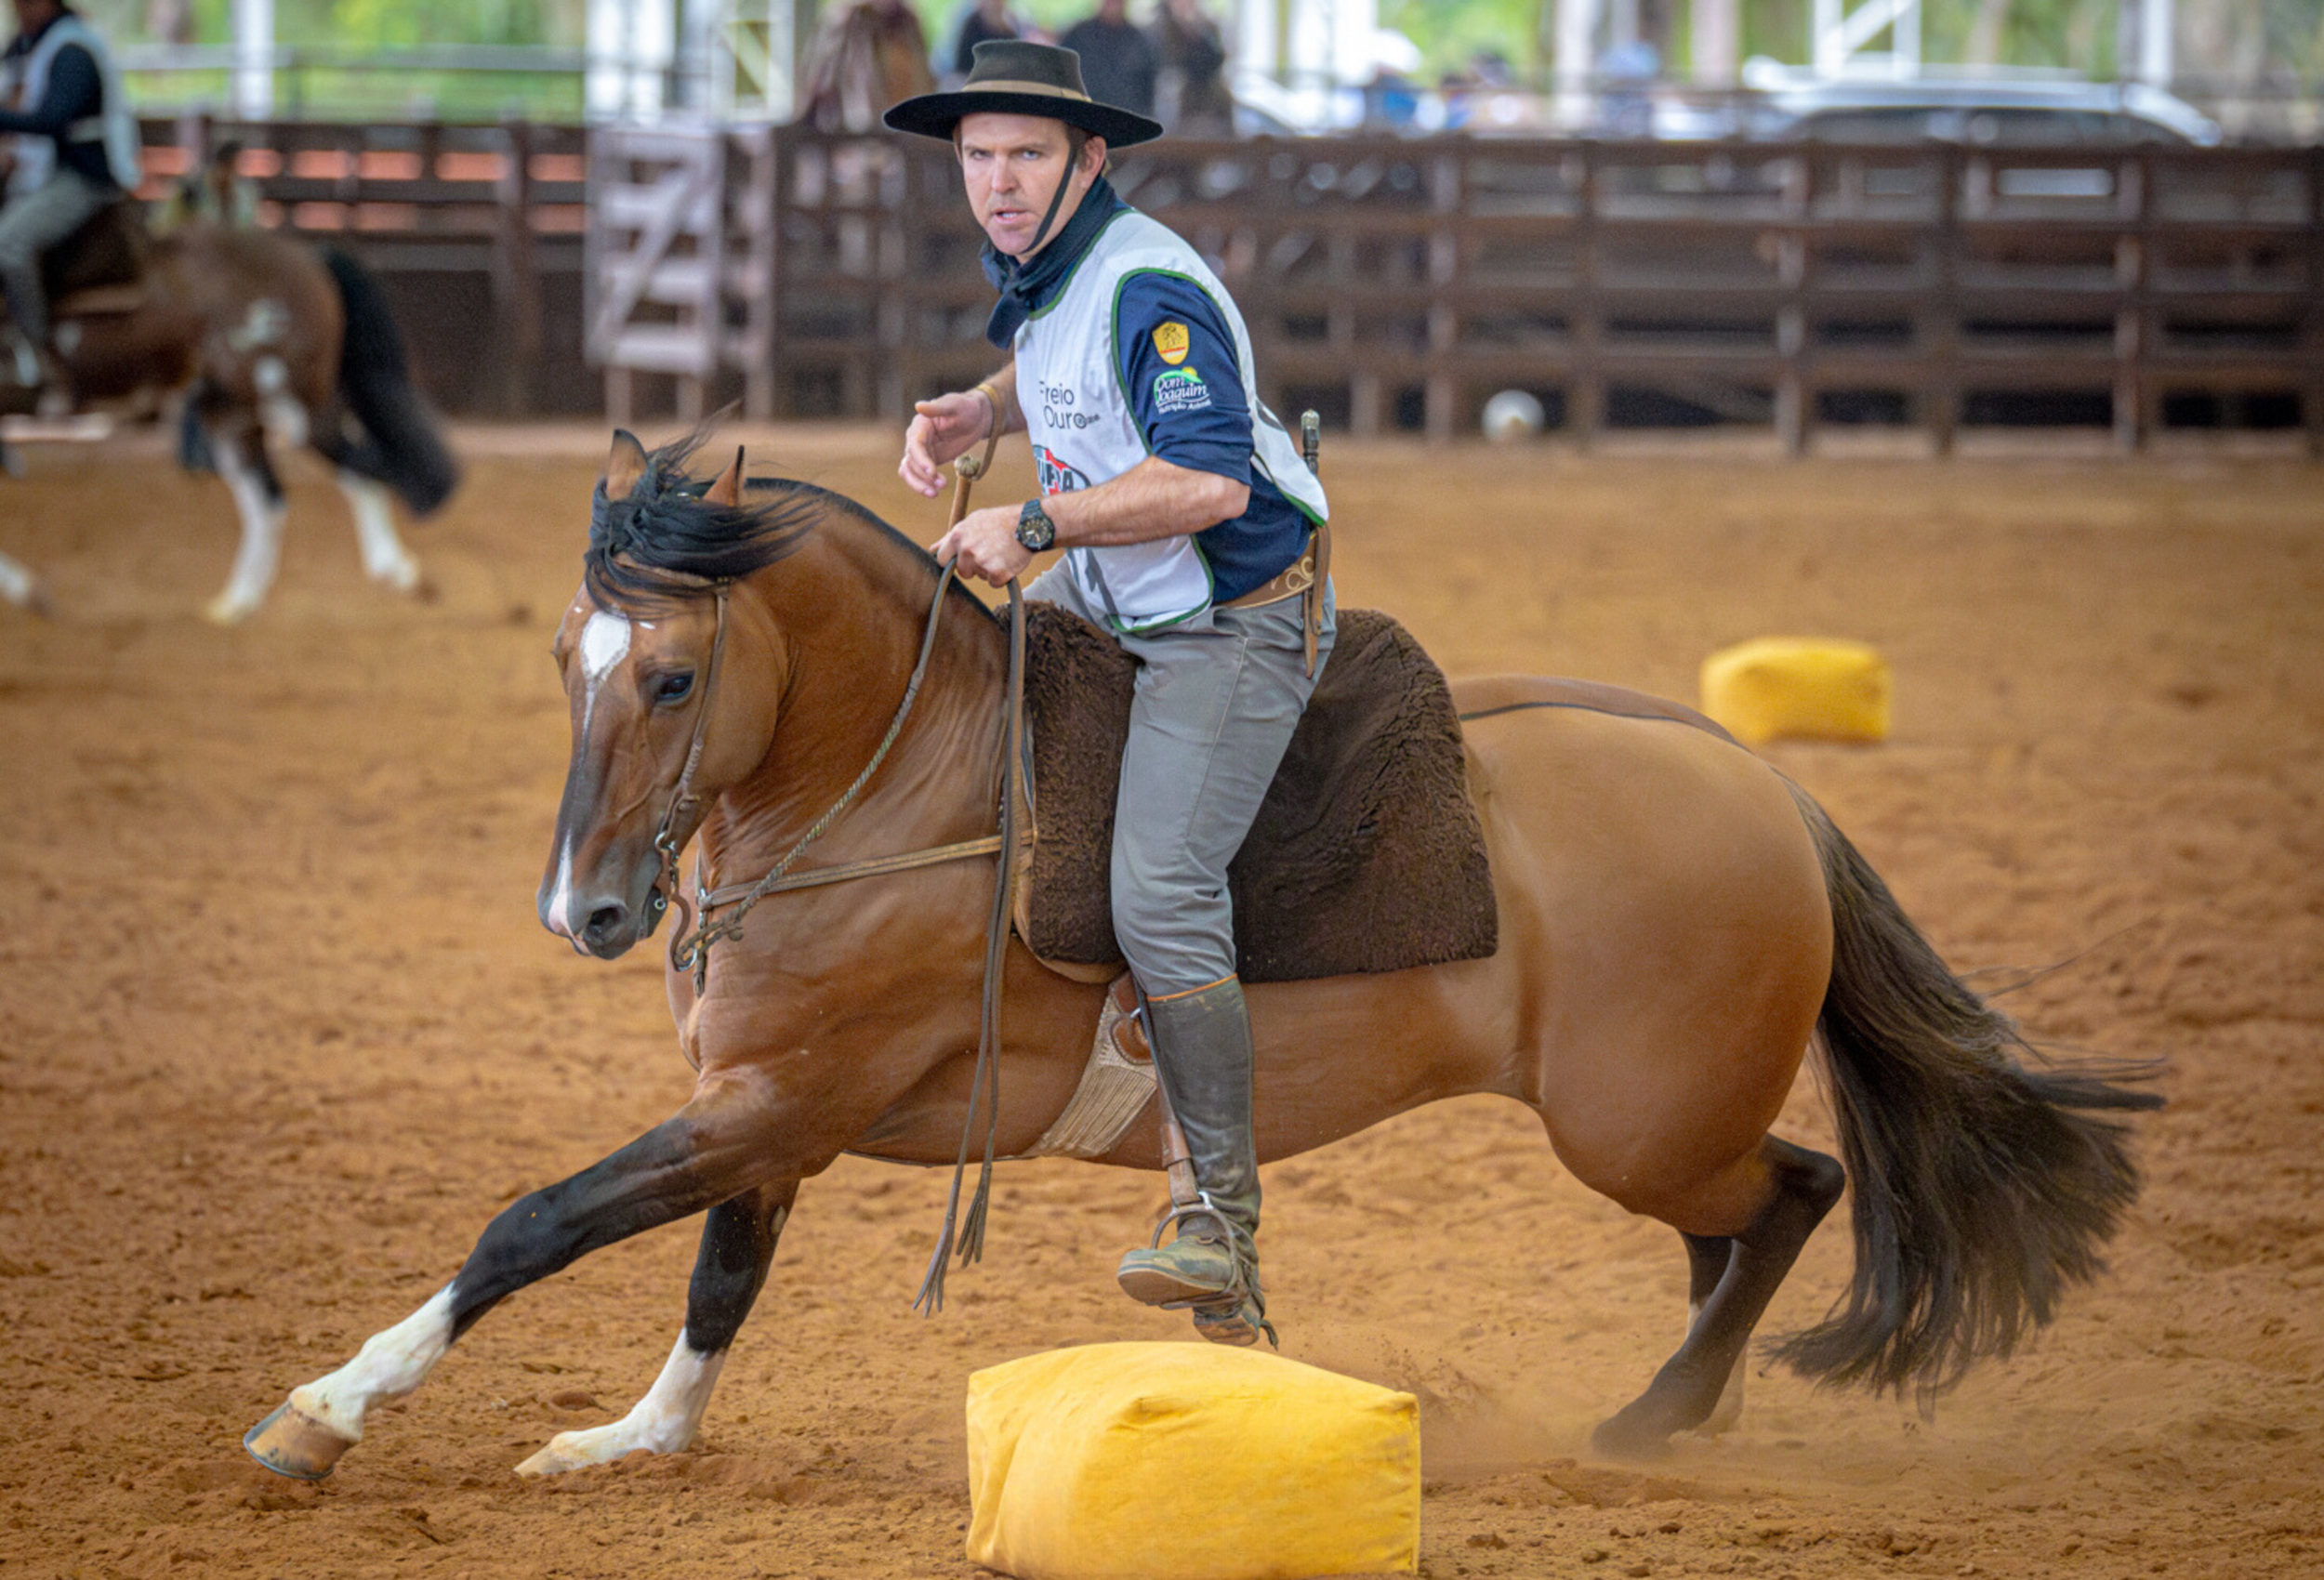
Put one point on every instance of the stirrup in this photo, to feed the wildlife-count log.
(1236, 1314)
(1201, 1207)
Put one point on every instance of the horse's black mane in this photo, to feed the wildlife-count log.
(665, 543)
(663, 540)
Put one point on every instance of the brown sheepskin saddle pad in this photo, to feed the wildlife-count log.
(1366, 855)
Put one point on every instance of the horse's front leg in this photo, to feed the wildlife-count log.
(238, 451)
(706, 1154)
(738, 1239)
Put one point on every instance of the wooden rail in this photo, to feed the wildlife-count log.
(1402, 282)
(476, 230)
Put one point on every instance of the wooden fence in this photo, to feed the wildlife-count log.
(1391, 284)
(1400, 283)
(476, 231)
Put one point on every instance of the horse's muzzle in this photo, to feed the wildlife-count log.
(601, 921)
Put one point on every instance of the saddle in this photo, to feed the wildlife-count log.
(1366, 855)
(99, 268)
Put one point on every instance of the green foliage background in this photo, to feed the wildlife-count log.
(2283, 39)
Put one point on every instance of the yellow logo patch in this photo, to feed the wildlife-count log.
(1171, 341)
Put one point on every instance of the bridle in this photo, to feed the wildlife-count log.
(690, 945)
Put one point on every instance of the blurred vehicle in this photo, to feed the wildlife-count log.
(1982, 112)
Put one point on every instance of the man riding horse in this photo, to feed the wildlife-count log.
(1194, 534)
(77, 152)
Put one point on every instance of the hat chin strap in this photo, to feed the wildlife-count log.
(1049, 219)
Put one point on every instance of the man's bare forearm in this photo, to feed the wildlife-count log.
(1154, 499)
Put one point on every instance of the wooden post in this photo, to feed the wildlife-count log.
(2133, 318)
(1941, 317)
(1585, 388)
(1441, 393)
(2312, 330)
(1795, 418)
(516, 280)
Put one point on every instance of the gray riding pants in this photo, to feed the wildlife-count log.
(1217, 698)
(30, 225)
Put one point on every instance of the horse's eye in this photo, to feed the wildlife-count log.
(674, 688)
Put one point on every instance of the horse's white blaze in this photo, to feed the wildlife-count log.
(605, 643)
(261, 549)
(664, 1421)
(390, 1365)
(385, 558)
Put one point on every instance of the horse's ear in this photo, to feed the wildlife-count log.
(624, 466)
(728, 489)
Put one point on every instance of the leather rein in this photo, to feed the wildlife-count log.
(690, 945)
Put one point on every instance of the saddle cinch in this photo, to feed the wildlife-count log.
(1366, 855)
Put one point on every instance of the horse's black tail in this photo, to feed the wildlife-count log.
(1983, 1188)
(401, 445)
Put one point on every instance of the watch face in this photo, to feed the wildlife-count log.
(1035, 530)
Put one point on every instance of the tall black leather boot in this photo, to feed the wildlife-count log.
(1203, 1053)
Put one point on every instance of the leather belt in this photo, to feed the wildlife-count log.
(1306, 576)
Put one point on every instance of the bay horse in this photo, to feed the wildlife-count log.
(262, 338)
(1678, 922)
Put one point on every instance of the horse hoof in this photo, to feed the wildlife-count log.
(225, 611)
(292, 1443)
(404, 576)
(1626, 1438)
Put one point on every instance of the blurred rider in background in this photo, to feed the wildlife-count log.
(76, 152)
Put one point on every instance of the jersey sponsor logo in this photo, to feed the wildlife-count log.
(1180, 390)
(1171, 340)
(1056, 475)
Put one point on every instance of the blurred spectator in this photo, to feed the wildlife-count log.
(1488, 97)
(980, 21)
(1193, 99)
(1627, 72)
(1391, 100)
(1119, 65)
(867, 55)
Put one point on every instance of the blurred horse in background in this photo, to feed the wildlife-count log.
(265, 341)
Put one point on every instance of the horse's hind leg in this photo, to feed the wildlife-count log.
(238, 451)
(703, 1155)
(385, 558)
(1706, 1259)
(738, 1239)
(1801, 1188)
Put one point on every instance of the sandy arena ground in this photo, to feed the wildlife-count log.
(278, 1033)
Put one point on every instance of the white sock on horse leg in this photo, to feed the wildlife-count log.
(663, 1422)
(16, 584)
(385, 558)
(390, 1365)
(261, 549)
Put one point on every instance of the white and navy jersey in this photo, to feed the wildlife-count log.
(69, 108)
(1140, 352)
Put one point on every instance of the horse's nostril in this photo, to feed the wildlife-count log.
(606, 920)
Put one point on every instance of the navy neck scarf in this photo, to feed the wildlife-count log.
(1024, 287)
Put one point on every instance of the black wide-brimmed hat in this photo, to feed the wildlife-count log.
(1011, 77)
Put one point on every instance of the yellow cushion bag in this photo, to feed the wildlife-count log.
(1125, 1461)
